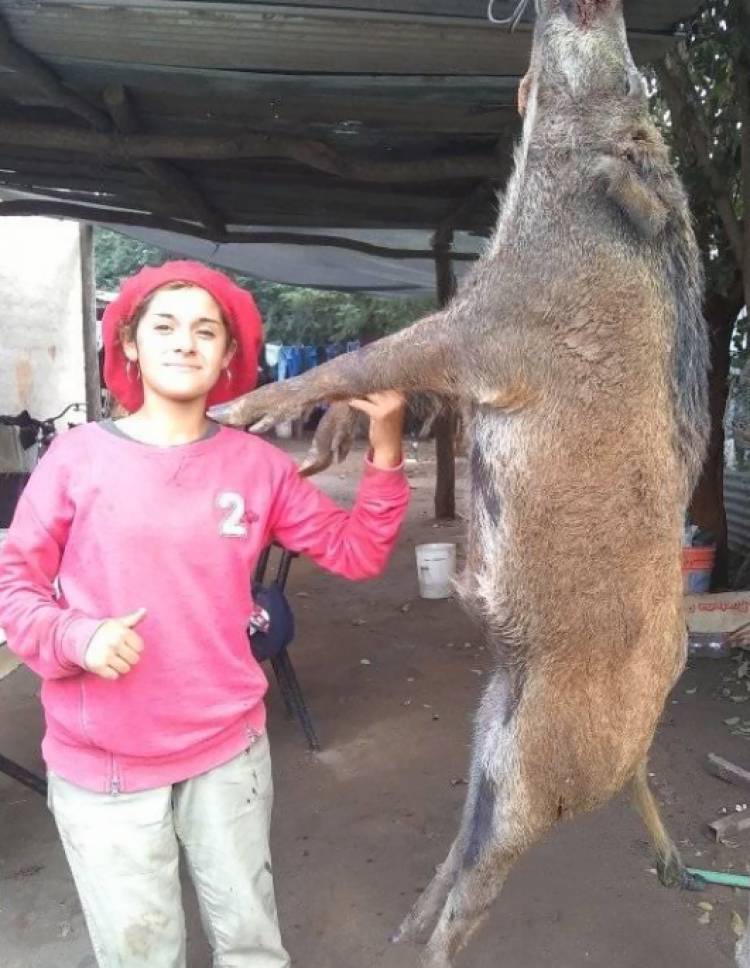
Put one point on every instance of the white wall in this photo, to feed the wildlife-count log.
(41, 322)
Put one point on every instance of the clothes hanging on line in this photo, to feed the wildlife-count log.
(286, 361)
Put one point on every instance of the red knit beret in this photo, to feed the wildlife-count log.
(237, 306)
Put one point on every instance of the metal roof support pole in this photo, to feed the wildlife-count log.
(446, 423)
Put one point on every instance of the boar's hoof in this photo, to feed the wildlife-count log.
(413, 931)
(690, 882)
(333, 439)
(672, 873)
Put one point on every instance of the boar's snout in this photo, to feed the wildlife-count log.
(583, 13)
(582, 52)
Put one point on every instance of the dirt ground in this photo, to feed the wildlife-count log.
(392, 681)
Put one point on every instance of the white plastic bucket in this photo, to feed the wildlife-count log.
(436, 566)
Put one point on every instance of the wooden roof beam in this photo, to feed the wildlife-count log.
(31, 67)
(312, 154)
(169, 178)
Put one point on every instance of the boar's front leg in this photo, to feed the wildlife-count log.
(420, 358)
(341, 425)
(333, 438)
(461, 353)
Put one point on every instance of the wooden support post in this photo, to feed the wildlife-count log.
(445, 483)
(88, 314)
(445, 425)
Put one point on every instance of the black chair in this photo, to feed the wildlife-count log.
(282, 665)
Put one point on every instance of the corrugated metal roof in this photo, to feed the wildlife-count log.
(373, 80)
(281, 37)
(255, 38)
(643, 15)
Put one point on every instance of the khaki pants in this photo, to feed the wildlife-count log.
(123, 851)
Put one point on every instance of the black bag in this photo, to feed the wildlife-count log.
(266, 645)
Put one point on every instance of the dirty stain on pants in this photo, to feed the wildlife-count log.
(124, 849)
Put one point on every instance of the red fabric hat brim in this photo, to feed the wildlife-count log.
(237, 306)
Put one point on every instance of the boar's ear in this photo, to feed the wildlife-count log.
(524, 90)
(632, 194)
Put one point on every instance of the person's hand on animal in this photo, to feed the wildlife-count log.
(115, 647)
(386, 412)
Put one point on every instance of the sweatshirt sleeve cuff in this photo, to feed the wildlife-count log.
(386, 483)
(75, 641)
(370, 467)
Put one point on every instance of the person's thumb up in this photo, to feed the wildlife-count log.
(115, 647)
(130, 621)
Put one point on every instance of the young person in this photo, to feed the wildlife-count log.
(125, 584)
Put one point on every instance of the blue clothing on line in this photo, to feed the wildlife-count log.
(309, 357)
(290, 362)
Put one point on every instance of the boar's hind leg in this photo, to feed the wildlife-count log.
(420, 922)
(503, 826)
(669, 866)
(501, 819)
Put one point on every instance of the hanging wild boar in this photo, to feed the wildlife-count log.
(578, 344)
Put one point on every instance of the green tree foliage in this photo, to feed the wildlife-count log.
(116, 257)
(291, 314)
(700, 102)
(297, 314)
(701, 97)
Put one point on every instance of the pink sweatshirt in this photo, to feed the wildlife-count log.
(177, 530)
